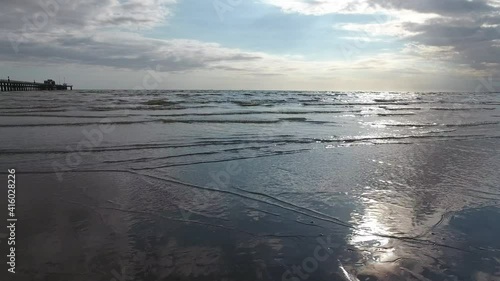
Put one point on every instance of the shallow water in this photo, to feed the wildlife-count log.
(221, 185)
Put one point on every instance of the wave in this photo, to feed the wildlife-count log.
(78, 124)
(294, 119)
(31, 107)
(231, 113)
(168, 121)
(399, 108)
(202, 153)
(472, 124)
(71, 116)
(257, 113)
(417, 125)
(151, 107)
(259, 102)
(396, 114)
(461, 109)
(34, 111)
(353, 103)
(389, 100)
(273, 140)
(360, 139)
(160, 102)
(271, 154)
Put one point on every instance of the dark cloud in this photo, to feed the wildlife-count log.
(61, 15)
(130, 53)
(472, 34)
(441, 7)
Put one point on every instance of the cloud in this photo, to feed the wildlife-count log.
(71, 15)
(468, 31)
(472, 40)
(441, 7)
(321, 7)
(128, 50)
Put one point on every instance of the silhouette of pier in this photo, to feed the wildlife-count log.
(48, 85)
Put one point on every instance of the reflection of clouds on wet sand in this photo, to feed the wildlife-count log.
(255, 215)
(190, 199)
(273, 243)
(188, 262)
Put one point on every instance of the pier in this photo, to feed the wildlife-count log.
(48, 85)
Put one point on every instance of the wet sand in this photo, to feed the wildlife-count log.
(208, 185)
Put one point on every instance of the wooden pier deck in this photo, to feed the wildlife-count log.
(13, 85)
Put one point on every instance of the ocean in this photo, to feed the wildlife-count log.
(253, 185)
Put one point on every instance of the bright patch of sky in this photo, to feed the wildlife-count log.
(255, 26)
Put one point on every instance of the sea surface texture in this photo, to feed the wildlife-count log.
(253, 185)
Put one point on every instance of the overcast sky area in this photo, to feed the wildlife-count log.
(380, 45)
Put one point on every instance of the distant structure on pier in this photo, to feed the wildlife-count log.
(47, 85)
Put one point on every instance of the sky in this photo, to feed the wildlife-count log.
(333, 45)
